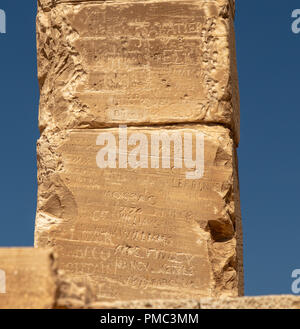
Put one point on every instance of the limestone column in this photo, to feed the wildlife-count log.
(140, 68)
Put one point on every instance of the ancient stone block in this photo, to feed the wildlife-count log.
(105, 63)
(143, 227)
(27, 278)
(259, 302)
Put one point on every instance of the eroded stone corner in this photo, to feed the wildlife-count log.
(225, 246)
(59, 70)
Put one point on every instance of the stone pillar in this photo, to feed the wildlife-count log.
(154, 85)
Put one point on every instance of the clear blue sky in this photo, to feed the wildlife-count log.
(269, 157)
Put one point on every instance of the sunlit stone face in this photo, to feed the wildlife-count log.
(138, 63)
(141, 232)
(133, 217)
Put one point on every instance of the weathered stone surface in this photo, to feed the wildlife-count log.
(135, 232)
(260, 302)
(30, 278)
(72, 295)
(136, 62)
(145, 232)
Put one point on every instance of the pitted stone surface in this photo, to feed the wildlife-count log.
(145, 231)
(138, 63)
(139, 232)
(30, 278)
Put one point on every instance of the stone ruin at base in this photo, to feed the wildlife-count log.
(138, 82)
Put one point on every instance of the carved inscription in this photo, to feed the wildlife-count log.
(141, 230)
(148, 62)
(127, 214)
